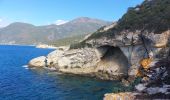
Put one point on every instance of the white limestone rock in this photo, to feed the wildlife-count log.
(37, 62)
(78, 58)
(53, 57)
(140, 87)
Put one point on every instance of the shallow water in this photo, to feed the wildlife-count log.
(18, 82)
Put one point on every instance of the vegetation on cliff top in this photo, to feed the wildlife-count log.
(151, 15)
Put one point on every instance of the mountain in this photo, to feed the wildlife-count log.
(24, 33)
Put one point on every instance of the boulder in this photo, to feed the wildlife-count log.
(120, 96)
(38, 62)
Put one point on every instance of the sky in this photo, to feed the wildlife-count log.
(44, 12)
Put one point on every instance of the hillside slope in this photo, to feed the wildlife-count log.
(152, 16)
(23, 33)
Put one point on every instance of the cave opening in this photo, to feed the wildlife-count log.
(113, 59)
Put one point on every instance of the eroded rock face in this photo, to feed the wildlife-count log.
(118, 56)
(136, 46)
(38, 62)
(109, 57)
(109, 65)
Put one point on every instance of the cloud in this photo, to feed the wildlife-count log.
(3, 22)
(60, 22)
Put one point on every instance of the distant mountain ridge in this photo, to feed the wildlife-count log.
(24, 33)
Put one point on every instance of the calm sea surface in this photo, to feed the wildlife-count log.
(17, 82)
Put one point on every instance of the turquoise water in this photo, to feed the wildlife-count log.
(17, 82)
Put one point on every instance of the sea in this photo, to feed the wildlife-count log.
(19, 82)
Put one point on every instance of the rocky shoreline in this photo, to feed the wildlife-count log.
(111, 62)
(154, 84)
(109, 57)
(134, 48)
(80, 62)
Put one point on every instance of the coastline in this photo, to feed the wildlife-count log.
(36, 46)
(16, 45)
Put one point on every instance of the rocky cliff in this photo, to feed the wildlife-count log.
(137, 46)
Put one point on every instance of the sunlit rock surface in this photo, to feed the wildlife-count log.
(38, 62)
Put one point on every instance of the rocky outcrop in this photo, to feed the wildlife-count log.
(130, 48)
(135, 46)
(141, 48)
(143, 35)
(38, 62)
(87, 61)
(109, 57)
(77, 61)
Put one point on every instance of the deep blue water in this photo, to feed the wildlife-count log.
(20, 83)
